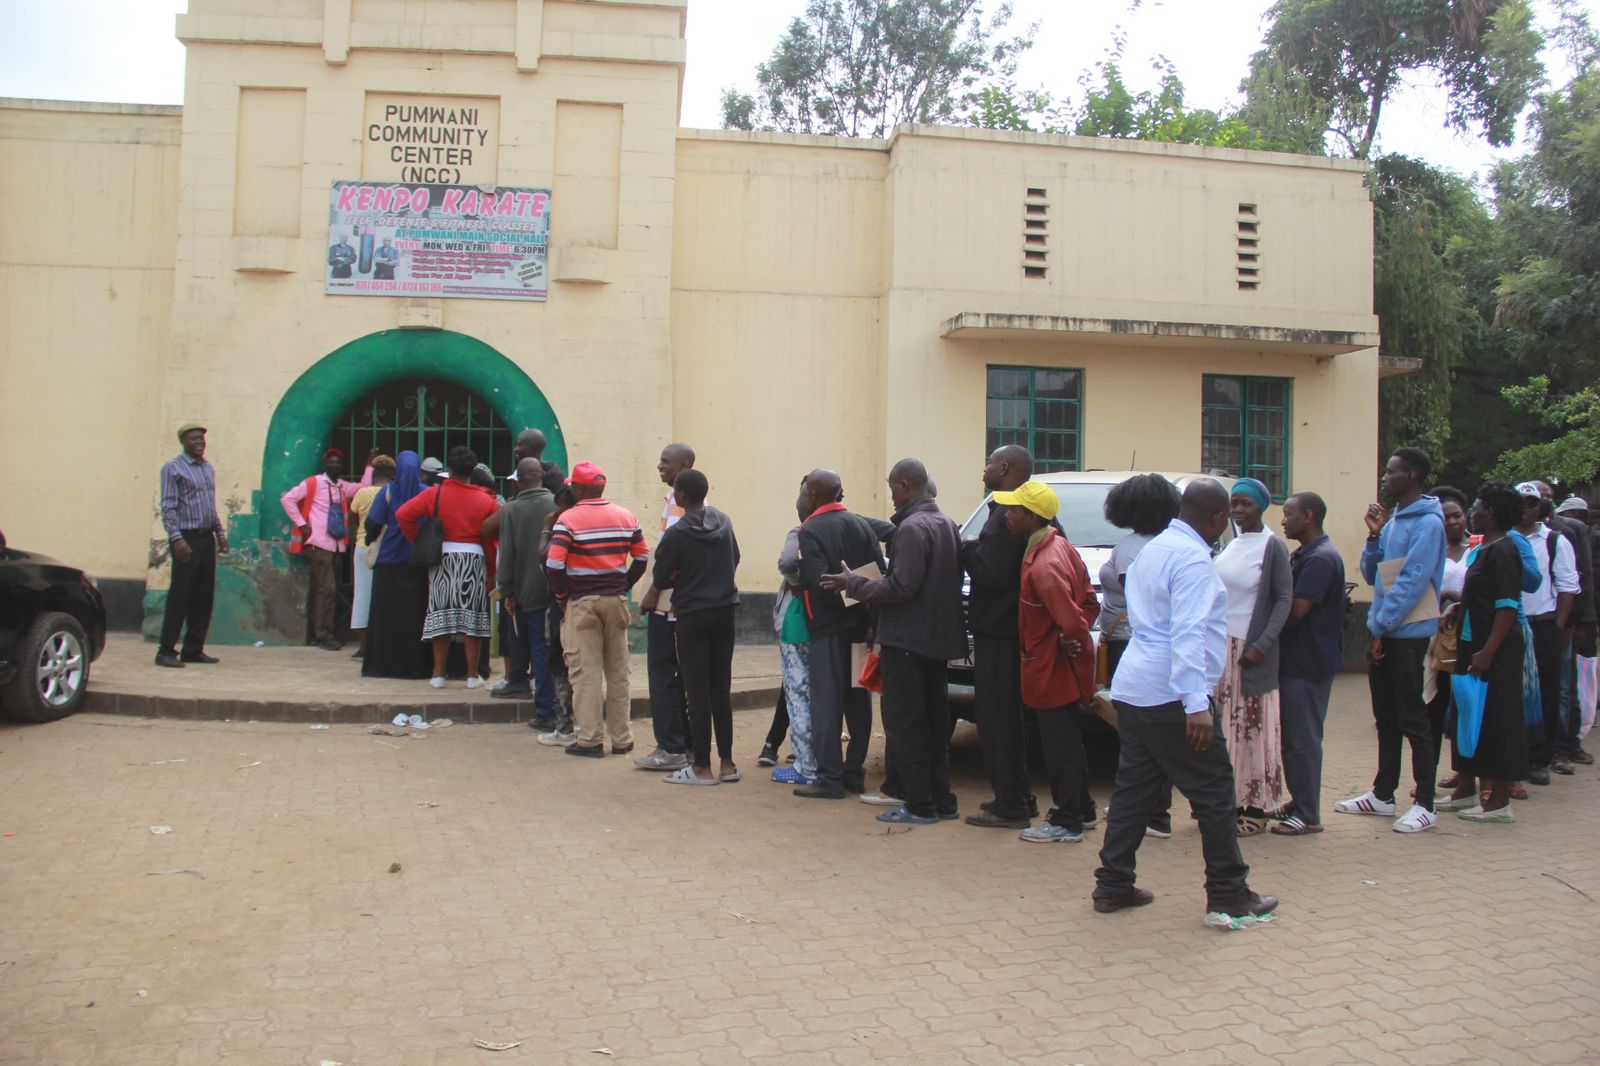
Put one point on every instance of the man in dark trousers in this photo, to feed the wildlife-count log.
(1579, 638)
(195, 536)
(1166, 717)
(834, 539)
(669, 703)
(526, 593)
(994, 563)
(920, 630)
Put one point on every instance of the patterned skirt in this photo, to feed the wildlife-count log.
(1254, 733)
(458, 597)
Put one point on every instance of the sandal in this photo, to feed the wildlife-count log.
(1518, 792)
(735, 776)
(1249, 827)
(903, 816)
(687, 776)
(1294, 827)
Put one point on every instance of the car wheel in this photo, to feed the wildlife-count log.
(52, 671)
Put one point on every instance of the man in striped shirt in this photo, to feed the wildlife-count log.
(195, 535)
(597, 553)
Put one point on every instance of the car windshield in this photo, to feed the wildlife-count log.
(1082, 515)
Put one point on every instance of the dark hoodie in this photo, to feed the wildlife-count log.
(697, 559)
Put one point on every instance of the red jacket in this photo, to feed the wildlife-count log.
(1057, 600)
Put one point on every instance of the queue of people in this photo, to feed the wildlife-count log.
(1219, 662)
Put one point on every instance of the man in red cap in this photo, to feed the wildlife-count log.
(597, 553)
(317, 510)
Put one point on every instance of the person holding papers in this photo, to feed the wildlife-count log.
(1404, 563)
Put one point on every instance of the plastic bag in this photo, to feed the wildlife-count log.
(1588, 691)
(871, 673)
(1471, 693)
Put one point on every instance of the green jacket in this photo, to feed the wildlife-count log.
(521, 572)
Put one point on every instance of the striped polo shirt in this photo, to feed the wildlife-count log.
(595, 542)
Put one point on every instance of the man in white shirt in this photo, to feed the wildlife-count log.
(1548, 609)
(1165, 715)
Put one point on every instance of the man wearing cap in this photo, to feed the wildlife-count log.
(1548, 608)
(432, 471)
(597, 553)
(316, 510)
(195, 536)
(1056, 607)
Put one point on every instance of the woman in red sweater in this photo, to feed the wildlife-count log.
(1056, 607)
(458, 588)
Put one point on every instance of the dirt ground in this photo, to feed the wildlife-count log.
(589, 912)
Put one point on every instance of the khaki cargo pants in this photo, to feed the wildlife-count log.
(594, 635)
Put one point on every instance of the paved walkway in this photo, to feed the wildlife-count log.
(311, 685)
(572, 905)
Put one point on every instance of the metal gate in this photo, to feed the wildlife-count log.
(428, 417)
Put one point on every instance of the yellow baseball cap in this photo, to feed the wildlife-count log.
(1036, 496)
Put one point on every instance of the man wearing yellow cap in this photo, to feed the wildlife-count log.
(1056, 607)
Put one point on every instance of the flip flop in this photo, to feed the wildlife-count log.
(1294, 827)
(903, 816)
(687, 776)
(737, 775)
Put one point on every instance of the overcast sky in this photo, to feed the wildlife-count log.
(124, 50)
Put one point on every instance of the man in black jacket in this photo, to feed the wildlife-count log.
(1580, 632)
(920, 630)
(830, 540)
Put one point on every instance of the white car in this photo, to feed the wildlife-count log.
(1083, 517)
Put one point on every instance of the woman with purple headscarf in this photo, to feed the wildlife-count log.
(1254, 567)
(399, 590)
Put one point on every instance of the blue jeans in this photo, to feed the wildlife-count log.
(529, 651)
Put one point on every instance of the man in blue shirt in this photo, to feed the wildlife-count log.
(1413, 540)
(1162, 691)
(1309, 656)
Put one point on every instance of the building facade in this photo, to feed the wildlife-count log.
(779, 302)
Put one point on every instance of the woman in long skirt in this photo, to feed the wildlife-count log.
(1492, 649)
(361, 570)
(1254, 568)
(399, 590)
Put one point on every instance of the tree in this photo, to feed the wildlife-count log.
(1352, 54)
(858, 68)
(1573, 458)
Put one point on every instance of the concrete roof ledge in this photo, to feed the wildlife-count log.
(981, 325)
(20, 103)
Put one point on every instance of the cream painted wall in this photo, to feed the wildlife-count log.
(88, 213)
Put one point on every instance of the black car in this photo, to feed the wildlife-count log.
(52, 626)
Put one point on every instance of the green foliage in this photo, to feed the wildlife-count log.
(858, 68)
(1573, 458)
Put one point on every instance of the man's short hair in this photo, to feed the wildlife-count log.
(1314, 504)
(1416, 461)
(693, 485)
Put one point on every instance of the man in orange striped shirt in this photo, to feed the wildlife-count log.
(597, 553)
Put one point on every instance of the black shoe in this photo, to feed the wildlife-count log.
(985, 819)
(1539, 775)
(543, 724)
(359, 656)
(330, 645)
(166, 658)
(1581, 757)
(1246, 904)
(855, 785)
(596, 752)
(1562, 765)
(513, 692)
(1134, 897)
(819, 792)
(1033, 806)
(201, 657)
(769, 755)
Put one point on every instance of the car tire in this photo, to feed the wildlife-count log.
(52, 675)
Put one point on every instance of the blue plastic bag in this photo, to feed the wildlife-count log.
(1532, 700)
(1471, 694)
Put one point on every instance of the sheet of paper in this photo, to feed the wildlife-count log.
(1427, 605)
(869, 570)
(664, 602)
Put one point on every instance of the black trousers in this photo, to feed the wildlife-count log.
(194, 584)
(1401, 714)
(669, 710)
(997, 706)
(1547, 649)
(1161, 812)
(705, 654)
(916, 727)
(835, 704)
(780, 722)
(1062, 740)
(1155, 750)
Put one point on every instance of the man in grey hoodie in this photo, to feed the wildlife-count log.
(1413, 538)
(525, 592)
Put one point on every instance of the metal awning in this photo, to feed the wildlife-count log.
(983, 325)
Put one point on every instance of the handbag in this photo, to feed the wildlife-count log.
(369, 554)
(1471, 694)
(427, 549)
(338, 528)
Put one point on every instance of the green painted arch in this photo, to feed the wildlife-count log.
(307, 412)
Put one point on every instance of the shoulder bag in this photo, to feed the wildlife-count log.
(428, 547)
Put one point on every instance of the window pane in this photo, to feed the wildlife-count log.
(1266, 423)
(1269, 392)
(1056, 384)
(1003, 382)
(1221, 391)
(1219, 422)
(1266, 452)
(1219, 453)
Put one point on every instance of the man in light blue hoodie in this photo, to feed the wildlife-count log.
(1395, 658)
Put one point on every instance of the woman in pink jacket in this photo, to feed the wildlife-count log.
(1057, 607)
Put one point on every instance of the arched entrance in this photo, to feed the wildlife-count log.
(474, 389)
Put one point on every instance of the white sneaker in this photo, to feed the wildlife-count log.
(557, 739)
(498, 685)
(474, 682)
(1415, 820)
(436, 682)
(1366, 803)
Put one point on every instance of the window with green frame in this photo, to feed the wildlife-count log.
(1040, 408)
(1244, 428)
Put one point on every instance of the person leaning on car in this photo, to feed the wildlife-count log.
(195, 535)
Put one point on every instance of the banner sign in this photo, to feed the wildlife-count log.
(398, 239)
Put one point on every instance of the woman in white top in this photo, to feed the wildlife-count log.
(1254, 567)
